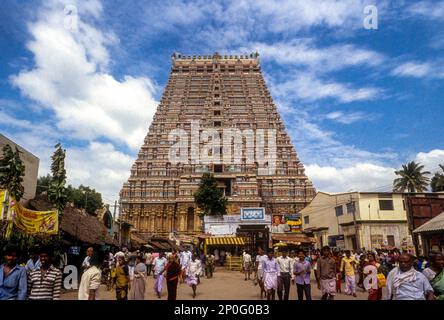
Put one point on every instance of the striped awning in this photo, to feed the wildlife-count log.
(228, 241)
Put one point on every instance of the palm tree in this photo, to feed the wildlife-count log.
(412, 178)
(437, 183)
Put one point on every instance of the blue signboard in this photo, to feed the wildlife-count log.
(252, 214)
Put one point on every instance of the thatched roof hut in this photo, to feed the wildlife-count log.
(78, 224)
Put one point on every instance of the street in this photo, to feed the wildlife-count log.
(225, 285)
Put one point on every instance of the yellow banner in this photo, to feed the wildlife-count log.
(34, 222)
(3, 215)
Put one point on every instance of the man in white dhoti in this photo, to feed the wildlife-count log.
(271, 271)
(193, 270)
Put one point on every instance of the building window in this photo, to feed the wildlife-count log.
(217, 123)
(403, 204)
(306, 220)
(339, 211)
(377, 240)
(385, 204)
(391, 240)
(217, 168)
(217, 112)
(350, 207)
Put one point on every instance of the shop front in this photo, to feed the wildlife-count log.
(248, 231)
(287, 233)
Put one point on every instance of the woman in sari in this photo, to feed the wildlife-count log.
(138, 284)
(436, 265)
(370, 282)
(173, 270)
(122, 280)
(435, 274)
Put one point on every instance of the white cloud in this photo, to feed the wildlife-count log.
(308, 87)
(359, 177)
(70, 76)
(431, 160)
(304, 52)
(429, 9)
(99, 165)
(417, 69)
(366, 176)
(413, 69)
(349, 117)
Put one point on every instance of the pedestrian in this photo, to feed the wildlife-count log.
(216, 256)
(326, 274)
(302, 271)
(405, 283)
(261, 258)
(436, 265)
(338, 259)
(13, 278)
(122, 279)
(247, 264)
(437, 282)
(270, 269)
(223, 255)
(148, 262)
(86, 262)
(138, 283)
(360, 267)
(185, 258)
(371, 281)
(348, 265)
(284, 278)
(34, 260)
(210, 265)
(172, 270)
(45, 283)
(159, 265)
(193, 271)
(91, 279)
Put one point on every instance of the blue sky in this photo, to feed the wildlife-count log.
(357, 103)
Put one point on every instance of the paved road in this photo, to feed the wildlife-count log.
(225, 285)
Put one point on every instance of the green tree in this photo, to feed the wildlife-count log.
(85, 196)
(12, 171)
(43, 183)
(437, 183)
(209, 198)
(57, 192)
(412, 178)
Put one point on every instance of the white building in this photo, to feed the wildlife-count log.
(358, 220)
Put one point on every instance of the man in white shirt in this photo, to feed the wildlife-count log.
(405, 283)
(185, 258)
(193, 270)
(247, 264)
(260, 258)
(90, 281)
(284, 277)
(159, 264)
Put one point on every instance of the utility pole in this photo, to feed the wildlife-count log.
(358, 242)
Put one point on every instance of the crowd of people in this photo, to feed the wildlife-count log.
(391, 275)
(404, 276)
(124, 271)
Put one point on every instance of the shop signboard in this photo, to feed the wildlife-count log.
(287, 223)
